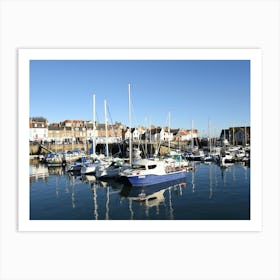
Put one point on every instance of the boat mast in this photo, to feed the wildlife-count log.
(233, 140)
(192, 136)
(129, 121)
(106, 128)
(209, 135)
(94, 128)
(169, 132)
(245, 136)
(146, 143)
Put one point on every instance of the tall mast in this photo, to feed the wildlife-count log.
(169, 132)
(129, 121)
(192, 135)
(146, 128)
(245, 136)
(94, 128)
(209, 135)
(106, 128)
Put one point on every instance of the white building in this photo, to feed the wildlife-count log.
(135, 134)
(165, 135)
(187, 135)
(38, 129)
(159, 134)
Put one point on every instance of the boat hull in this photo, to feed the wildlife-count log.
(136, 192)
(151, 179)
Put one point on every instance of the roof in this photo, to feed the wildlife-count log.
(73, 121)
(37, 125)
(132, 129)
(174, 131)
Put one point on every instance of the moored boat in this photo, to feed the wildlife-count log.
(77, 165)
(149, 172)
(176, 159)
(90, 168)
(196, 156)
(54, 159)
(111, 169)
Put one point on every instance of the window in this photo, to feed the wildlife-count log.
(152, 166)
(141, 167)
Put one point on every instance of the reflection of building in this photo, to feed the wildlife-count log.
(38, 172)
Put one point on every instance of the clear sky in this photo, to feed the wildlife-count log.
(198, 90)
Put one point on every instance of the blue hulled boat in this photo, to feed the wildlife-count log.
(150, 172)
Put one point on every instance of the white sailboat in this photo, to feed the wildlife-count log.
(115, 167)
(90, 168)
(110, 167)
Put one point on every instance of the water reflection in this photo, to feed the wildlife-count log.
(146, 198)
(38, 171)
(149, 197)
(72, 196)
(231, 168)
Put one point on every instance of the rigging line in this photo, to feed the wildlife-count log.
(97, 118)
(110, 117)
(136, 121)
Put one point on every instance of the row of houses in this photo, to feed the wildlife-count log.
(81, 131)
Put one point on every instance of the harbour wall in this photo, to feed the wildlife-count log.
(114, 149)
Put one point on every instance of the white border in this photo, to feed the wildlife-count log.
(24, 57)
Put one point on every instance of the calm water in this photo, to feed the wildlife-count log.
(209, 193)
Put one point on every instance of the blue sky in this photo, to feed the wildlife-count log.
(196, 90)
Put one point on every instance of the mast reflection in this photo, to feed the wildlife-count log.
(153, 196)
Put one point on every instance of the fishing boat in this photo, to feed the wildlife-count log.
(149, 172)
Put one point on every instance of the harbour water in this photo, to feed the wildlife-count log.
(208, 193)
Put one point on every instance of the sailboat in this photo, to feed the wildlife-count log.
(116, 166)
(89, 168)
(109, 167)
(174, 157)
